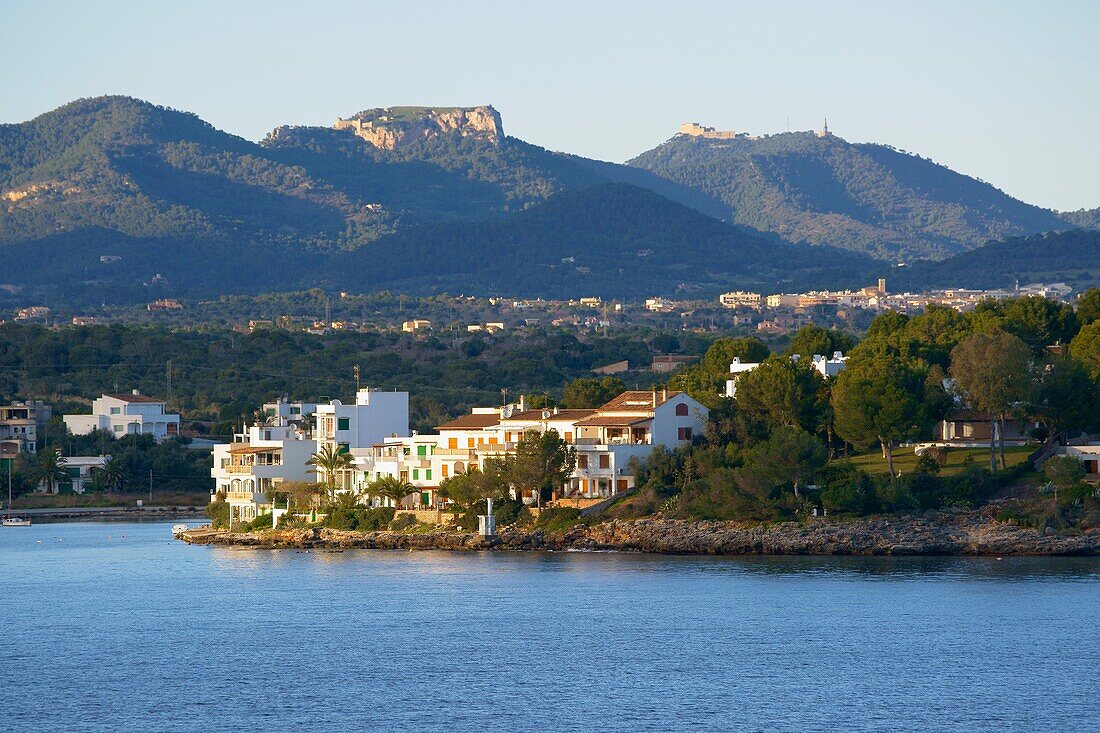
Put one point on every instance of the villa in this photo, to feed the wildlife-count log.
(126, 414)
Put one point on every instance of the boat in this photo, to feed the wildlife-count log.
(9, 520)
(178, 529)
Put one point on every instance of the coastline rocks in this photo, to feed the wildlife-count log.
(941, 534)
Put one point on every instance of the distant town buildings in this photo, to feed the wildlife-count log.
(418, 324)
(164, 304)
(740, 299)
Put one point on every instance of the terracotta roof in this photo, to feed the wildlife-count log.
(471, 422)
(969, 416)
(133, 398)
(635, 400)
(245, 448)
(610, 421)
(570, 414)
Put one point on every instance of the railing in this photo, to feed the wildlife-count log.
(233, 468)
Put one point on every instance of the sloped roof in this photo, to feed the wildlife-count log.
(473, 421)
(569, 414)
(635, 400)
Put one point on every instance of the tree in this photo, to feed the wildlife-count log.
(466, 489)
(789, 457)
(877, 399)
(811, 340)
(991, 371)
(542, 463)
(587, 392)
(780, 392)
(1065, 397)
(390, 487)
(1088, 306)
(1038, 321)
(1064, 472)
(1085, 348)
(329, 461)
(49, 468)
(114, 473)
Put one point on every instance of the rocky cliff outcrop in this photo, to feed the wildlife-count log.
(945, 534)
(393, 127)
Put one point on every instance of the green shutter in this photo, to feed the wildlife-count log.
(416, 474)
(428, 475)
(421, 450)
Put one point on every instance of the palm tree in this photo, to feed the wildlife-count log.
(390, 487)
(49, 468)
(329, 460)
(114, 473)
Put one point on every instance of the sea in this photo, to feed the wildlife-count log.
(119, 627)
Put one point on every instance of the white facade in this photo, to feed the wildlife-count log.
(740, 299)
(256, 462)
(126, 414)
(738, 367)
(79, 469)
(374, 417)
(830, 367)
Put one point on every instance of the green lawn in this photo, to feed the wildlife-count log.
(905, 460)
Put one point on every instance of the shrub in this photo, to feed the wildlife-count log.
(218, 511)
(263, 521)
(403, 522)
(557, 519)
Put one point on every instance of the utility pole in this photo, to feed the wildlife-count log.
(150, 487)
(168, 379)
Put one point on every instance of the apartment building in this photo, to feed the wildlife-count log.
(20, 426)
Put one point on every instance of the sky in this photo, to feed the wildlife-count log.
(1008, 92)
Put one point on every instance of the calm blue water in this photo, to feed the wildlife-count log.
(103, 633)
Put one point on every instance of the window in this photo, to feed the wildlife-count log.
(345, 447)
(416, 474)
(452, 443)
(116, 410)
(568, 436)
(682, 409)
(469, 442)
(492, 441)
(683, 433)
(582, 460)
(428, 474)
(118, 428)
(445, 470)
(343, 423)
(605, 460)
(295, 410)
(421, 450)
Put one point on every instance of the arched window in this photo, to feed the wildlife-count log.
(682, 409)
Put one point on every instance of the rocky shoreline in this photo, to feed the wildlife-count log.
(113, 514)
(947, 534)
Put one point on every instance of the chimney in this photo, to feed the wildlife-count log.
(555, 409)
(135, 392)
(523, 403)
(664, 394)
(654, 398)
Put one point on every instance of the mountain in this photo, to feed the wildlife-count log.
(615, 240)
(820, 189)
(101, 195)
(1068, 257)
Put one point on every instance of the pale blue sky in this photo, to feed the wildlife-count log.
(1005, 91)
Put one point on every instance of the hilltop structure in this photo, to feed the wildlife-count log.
(694, 129)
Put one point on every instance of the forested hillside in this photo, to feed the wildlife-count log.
(868, 198)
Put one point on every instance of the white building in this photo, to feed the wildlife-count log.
(737, 368)
(126, 414)
(830, 367)
(79, 470)
(20, 423)
(256, 462)
(266, 455)
(740, 299)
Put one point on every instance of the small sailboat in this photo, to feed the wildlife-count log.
(9, 520)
